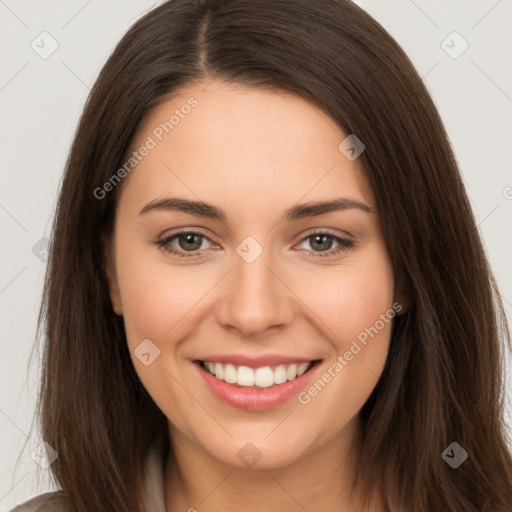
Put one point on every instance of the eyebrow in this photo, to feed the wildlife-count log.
(299, 211)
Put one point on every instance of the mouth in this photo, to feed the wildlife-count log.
(258, 378)
(253, 386)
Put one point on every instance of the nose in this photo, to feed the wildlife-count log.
(255, 296)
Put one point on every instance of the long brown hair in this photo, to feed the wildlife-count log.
(442, 382)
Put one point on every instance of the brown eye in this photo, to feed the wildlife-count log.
(182, 243)
(322, 242)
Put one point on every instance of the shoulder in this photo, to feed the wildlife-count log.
(47, 502)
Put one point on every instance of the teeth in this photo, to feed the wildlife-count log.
(291, 372)
(302, 368)
(280, 374)
(263, 377)
(219, 371)
(245, 376)
(230, 374)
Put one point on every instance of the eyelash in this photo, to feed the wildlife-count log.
(345, 245)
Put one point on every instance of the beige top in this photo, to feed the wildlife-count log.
(154, 493)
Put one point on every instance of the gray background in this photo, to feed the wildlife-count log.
(41, 100)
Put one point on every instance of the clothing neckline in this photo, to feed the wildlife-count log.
(154, 481)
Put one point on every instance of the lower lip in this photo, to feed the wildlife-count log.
(255, 399)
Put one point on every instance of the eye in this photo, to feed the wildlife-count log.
(187, 242)
(323, 240)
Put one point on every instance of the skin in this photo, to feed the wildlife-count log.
(253, 154)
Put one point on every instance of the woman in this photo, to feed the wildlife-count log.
(266, 288)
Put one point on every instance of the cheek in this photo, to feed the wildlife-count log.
(352, 297)
(355, 303)
(157, 300)
(155, 296)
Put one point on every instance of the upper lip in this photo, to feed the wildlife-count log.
(255, 361)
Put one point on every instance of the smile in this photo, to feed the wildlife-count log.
(263, 377)
(255, 384)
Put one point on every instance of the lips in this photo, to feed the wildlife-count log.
(255, 384)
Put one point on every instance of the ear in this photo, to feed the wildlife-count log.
(401, 297)
(109, 267)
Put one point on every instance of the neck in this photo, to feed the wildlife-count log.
(320, 480)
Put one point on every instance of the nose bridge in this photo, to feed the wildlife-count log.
(254, 298)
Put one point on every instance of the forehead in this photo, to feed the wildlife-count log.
(241, 146)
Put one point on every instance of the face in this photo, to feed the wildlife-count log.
(217, 267)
